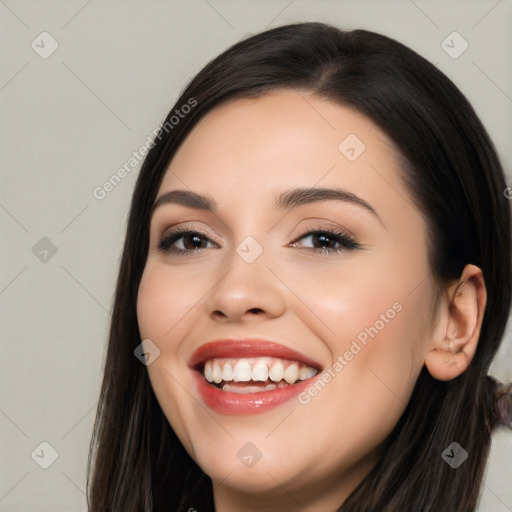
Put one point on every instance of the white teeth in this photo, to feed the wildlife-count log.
(208, 374)
(227, 372)
(260, 372)
(216, 372)
(277, 372)
(306, 372)
(263, 369)
(310, 372)
(291, 374)
(242, 371)
(241, 390)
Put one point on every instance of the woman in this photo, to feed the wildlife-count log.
(316, 276)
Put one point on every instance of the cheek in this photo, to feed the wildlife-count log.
(377, 339)
(165, 297)
(369, 385)
(163, 302)
(154, 304)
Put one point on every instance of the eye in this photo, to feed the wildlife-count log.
(184, 241)
(327, 241)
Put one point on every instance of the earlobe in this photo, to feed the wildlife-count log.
(455, 339)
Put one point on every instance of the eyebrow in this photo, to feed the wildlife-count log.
(286, 200)
(186, 198)
(301, 196)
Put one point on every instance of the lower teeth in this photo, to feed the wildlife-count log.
(244, 389)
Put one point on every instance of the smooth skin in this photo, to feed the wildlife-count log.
(304, 291)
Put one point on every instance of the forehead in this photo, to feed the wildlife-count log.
(244, 154)
(255, 146)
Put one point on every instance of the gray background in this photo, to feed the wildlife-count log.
(70, 120)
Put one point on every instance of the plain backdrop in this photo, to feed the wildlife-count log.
(82, 85)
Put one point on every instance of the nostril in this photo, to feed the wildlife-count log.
(222, 315)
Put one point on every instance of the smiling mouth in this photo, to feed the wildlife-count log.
(255, 374)
(250, 375)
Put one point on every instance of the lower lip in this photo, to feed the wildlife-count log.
(227, 402)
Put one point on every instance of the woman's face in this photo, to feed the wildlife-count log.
(307, 263)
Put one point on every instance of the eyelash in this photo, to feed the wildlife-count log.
(346, 242)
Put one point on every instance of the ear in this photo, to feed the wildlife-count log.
(455, 337)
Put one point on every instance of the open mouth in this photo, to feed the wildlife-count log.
(249, 376)
(254, 375)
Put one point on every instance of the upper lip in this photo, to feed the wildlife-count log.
(246, 348)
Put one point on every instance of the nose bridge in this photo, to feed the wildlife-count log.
(247, 286)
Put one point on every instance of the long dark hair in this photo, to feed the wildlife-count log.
(453, 173)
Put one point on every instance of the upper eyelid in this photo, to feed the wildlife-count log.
(172, 230)
(187, 230)
(323, 225)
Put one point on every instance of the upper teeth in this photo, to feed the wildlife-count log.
(257, 370)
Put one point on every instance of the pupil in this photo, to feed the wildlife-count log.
(193, 245)
(323, 239)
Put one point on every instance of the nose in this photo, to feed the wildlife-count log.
(246, 291)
